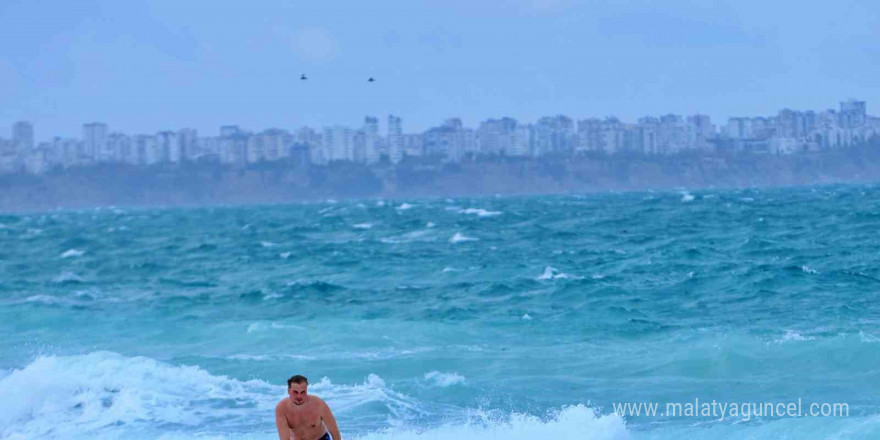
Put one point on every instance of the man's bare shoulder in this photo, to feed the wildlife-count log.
(282, 405)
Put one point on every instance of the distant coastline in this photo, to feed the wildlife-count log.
(194, 184)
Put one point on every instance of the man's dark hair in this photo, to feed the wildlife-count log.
(297, 380)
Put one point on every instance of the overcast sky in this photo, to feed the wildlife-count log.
(144, 66)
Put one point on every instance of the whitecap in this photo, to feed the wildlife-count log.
(459, 237)
(867, 337)
(268, 244)
(285, 255)
(44, 299)
(72, 253)
(551, 273)
(67, 277)
(806, 269)
(264, 326)
(526, 317)
(449, 269)
(421, 235)
(571, 422)
(270, 357)
(105, 395)
(480, 212)
(405, 206)
(792, 336)
(430, 225)
(362, 226)
(686, 197)
(444, 379)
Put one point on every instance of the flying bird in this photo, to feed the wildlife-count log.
(371, 79)
(303, 77)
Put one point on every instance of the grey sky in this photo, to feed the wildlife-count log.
(147, 66)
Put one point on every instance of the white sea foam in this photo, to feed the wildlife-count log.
(867, 337)
(265, 326)
(362, 226)
(526, 317)
(459, 237)
(792, 336)
(806, 269)
(444, 379)
(421, 235)
(103, 395)
(479, 212)
(577, 422)
(551, 273)
(45, 299)
(270, 357)
(268, 244)
(67, 277)
(430, 225)
(686, 197)
(72, 253)
(285, 255)
(449, 269)
(405, 206)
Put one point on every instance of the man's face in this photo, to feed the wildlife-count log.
(298, 393)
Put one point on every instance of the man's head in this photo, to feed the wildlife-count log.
(297, 389)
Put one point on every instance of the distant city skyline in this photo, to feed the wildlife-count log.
(787, 132)
(400, 123)
(140, 65)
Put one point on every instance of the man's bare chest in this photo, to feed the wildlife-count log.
(303, 420)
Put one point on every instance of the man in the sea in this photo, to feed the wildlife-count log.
(304, 417)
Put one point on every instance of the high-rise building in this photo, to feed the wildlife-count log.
(94, 141)
(119, 148)
(23, 136)
(189, 143)
(703, 130)
(371, 141)
(496, 136)
(852, 113)
(554, 135)
(169, 146)
(396, 147)
(338, 143)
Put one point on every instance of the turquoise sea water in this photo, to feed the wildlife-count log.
(500, 318)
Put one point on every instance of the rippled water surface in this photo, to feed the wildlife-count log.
(445, 318)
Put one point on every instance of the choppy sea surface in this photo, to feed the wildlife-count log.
(492, 318)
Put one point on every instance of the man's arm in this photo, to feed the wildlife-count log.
(284, 432)
(330, 421)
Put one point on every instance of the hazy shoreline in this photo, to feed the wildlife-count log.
(210, 184)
